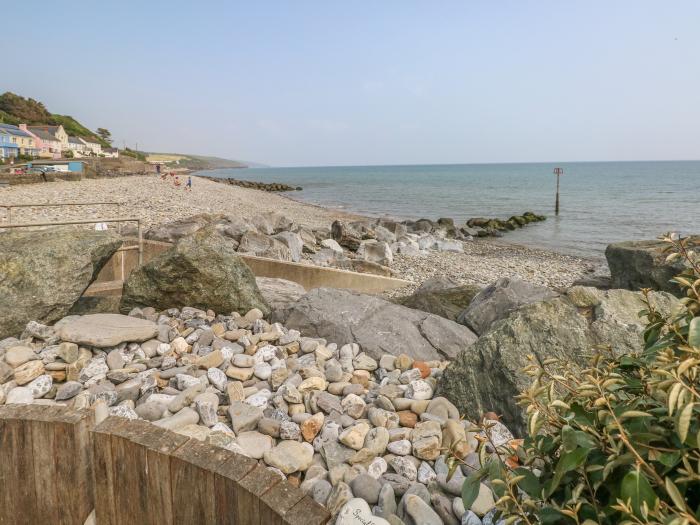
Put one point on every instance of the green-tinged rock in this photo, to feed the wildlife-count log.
(642, 264)
(43, 273)
(202, 271)
(487, 375)
(441, 296)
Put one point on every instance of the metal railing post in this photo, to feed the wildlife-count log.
(138, 224)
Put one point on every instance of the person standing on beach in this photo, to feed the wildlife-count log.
(188, 187)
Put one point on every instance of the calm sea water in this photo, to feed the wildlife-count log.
(601, 202)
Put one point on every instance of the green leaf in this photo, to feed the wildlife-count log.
(530, 483)
(567, 462)
(684, 421)
(470, 489)
(694, 333)
(674, 493)
(636, 488)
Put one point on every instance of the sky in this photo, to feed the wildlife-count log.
(301, 83)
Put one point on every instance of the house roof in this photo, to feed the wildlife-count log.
(75, 140)
(43, 134)
(110, 150)
(14, 130)
(90, 141)
(49, 129)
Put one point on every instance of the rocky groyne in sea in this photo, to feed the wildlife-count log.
(254, 185)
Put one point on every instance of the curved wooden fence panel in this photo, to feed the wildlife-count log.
(55, 468)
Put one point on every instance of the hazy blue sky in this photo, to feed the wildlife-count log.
(370, 82)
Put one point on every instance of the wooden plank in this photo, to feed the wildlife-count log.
(103, 470)
(277, 501)
(45, 481)
(307, 512)
(17, 492)
(256, 483)
(226, 486)
(192, 482)
(141, 459)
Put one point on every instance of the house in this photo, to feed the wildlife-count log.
(77, 146)
(92, 147)
(8, 149)
(24, 141)
(112, 153)
(46, 144)
(60, 137)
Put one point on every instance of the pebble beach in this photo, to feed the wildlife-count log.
(155, 201)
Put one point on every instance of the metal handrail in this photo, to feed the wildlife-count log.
(84, 221)
(49, 204)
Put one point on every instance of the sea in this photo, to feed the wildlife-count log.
(600, 202)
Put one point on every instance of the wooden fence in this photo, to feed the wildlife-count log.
(55, 468)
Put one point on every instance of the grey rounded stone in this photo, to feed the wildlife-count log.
(366, 487)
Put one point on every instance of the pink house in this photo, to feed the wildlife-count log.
(46, 143)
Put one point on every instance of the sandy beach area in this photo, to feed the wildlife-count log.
(156, 201)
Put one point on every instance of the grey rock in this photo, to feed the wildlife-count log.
(441, 296)
(279, 293)
(487, 376)
(106, 330)
(642, 264)
(68, 390)
(366, 487)
(243, 416)
(378, 326)
(320, 491)
(51, 270)
(202, 271)
(498, 300)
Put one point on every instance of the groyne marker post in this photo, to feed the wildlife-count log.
(557, 172)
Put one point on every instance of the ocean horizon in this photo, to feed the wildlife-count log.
(600, 202)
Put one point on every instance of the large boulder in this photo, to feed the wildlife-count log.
(642, 264)
(378, 326)
(202, 270)
(441, 296)
(376, 252)
(279, 293)
(173, 231)
(43, 273)
(498, 300)
(264, 246)
(488, 375)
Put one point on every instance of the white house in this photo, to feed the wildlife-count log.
(77, 146)
(92, 147)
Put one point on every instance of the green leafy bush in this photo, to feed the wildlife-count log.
(618, 442)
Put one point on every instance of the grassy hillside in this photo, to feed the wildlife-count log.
(195, 162)
(19, 110)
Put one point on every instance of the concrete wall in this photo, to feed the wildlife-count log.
(118, 268)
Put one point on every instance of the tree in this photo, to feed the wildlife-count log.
(104, 134)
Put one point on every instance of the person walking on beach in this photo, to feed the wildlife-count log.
(188, 187)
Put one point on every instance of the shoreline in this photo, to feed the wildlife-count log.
(157, 201)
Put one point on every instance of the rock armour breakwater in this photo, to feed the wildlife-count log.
(263, 186)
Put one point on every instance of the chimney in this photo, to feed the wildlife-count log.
(23, 127)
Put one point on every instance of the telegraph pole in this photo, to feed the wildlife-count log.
(557, 172)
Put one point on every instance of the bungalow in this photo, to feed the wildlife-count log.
(91, 147)
(57, 132)
(112, 153)
(24, 140)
